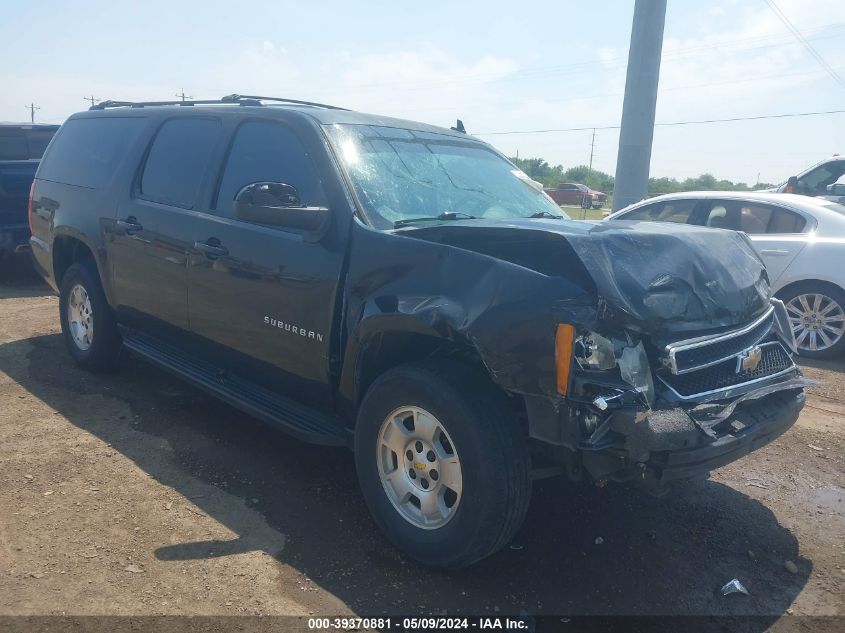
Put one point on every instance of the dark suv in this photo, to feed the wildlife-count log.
(404, 290)
(21, 147)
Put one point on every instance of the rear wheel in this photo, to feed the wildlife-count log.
(88, 325)
(442, 463)
(817, 313)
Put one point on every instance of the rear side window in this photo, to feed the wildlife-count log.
(24, 143)
(87, 151)
(178, 160)
(670, 211)
(268, 152)
(783, 221)
(754, 219)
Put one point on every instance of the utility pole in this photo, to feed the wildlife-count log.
(183, 96)
(92, 99)
(637, 129)
(32, 108)
(592, 151)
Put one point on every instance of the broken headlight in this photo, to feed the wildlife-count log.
(594, 351)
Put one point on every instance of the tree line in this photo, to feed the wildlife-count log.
(550, 176)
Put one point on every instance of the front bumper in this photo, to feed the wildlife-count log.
(654, 448)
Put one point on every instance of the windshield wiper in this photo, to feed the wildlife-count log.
(446, 215)
(546, 214)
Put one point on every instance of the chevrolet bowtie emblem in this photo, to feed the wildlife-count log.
(749, 360)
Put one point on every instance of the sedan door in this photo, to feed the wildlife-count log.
(778, 234)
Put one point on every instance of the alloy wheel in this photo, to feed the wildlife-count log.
(419, 467)
(80, 317)
(818, 321)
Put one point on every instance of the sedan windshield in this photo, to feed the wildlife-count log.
(409, 178)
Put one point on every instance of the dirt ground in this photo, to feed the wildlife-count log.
(134, 494)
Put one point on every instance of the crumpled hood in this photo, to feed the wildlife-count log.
(649, 275)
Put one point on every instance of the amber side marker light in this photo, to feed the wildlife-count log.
(564, 337)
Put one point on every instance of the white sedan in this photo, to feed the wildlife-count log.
(800, 239)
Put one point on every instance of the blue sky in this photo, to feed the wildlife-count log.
(499, 66)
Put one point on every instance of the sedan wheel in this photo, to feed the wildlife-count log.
(818, 321)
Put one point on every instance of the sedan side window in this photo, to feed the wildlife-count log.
(268, 152)
(784, 221)
(722, 215)
(754, 218)
(671, 211)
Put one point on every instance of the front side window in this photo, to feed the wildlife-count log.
(178, 160)
(268, 152)
(678, 211)
(401, 175)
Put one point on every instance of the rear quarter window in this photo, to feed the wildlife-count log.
(86, 152)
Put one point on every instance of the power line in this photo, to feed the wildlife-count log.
(617, 61)
(667, 124)
(794, 30)
(32, 108)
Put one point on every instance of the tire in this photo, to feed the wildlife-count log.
(89, 329)
(491, 449)
(586, 203)
(823, 325)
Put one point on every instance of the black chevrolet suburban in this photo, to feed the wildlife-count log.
(404, 290)
(21, 147)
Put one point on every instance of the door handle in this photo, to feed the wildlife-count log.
(774, 251)
(211, 249)
(130, 225)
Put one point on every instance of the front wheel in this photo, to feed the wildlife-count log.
(817, 315)
(586, 203)
(442, 464)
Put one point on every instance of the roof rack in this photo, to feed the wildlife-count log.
(238, 98)
(244, 100)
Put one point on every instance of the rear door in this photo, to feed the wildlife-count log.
(778, 234)
(263, 297)
(156, 222)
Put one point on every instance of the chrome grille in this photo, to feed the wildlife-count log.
(688, 356)
(774, 360)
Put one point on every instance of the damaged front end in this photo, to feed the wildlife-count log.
(684, 365)
(655, 415)
(641, 352)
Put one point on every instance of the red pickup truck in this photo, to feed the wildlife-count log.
(572, 193)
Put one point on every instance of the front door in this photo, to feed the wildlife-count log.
(264, 297)
(155, 226)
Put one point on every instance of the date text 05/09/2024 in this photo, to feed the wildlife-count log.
(419, 623)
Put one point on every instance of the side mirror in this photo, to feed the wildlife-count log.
(277, 204)
(791, 184)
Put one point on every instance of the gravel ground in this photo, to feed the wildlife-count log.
(134, 494)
